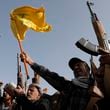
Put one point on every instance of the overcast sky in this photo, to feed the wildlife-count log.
(70, 20)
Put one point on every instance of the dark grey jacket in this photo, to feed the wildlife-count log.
(74, 96)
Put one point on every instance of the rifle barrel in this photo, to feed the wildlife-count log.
(88, 4)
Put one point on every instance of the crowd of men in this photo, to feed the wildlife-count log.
(87, 91)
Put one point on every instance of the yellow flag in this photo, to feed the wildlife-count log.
(26, 17)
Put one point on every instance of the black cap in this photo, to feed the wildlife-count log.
(73, 61)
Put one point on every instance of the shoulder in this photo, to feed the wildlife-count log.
(45, 100)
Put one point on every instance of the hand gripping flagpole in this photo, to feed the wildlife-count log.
(25, 65)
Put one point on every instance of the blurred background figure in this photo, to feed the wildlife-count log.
(7, 100)
(1, 83)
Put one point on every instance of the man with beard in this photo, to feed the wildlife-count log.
(32, 100)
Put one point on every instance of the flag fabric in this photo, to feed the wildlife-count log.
(27, 17)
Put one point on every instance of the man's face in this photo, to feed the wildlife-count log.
(80, 69)
(6, 96)
(33, 93)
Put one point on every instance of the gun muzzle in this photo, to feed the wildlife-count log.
(87, 46)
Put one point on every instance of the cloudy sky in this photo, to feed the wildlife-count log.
(70, 20)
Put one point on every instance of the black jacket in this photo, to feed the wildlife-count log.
(24, 104)
(74, 97)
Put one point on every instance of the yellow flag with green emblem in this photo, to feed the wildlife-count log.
(27, 17)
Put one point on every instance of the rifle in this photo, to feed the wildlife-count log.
(102, 48)
(88, 47)
(19, 74)
(103, 44)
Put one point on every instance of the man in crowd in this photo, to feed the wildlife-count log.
(7, 101)
(104, 82)
(32, 100)
(75, 95)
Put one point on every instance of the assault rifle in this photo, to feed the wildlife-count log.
(19, 74)
(102, 48)
(87, 46)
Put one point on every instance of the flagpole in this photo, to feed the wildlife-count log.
(25, 65)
